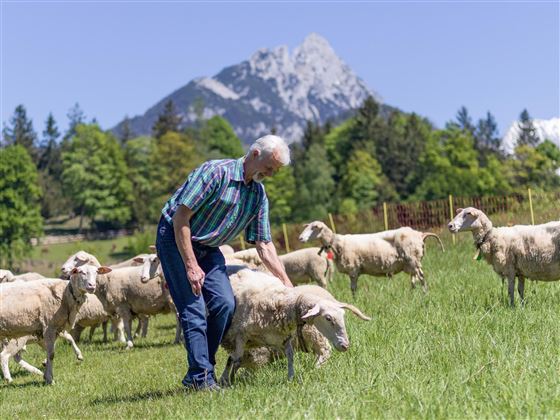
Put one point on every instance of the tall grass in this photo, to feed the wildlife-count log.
(457, 352)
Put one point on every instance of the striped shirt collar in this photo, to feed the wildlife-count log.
(238, 173)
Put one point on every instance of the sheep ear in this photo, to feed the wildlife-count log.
(104, 270)
(139, 260)
(459, 210)
(312, 312)
(152, 248)
(355, 311)
(81, 257)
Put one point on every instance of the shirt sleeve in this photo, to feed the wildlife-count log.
(200, 186)
(259, 228)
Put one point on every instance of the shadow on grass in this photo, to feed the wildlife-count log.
(139, 396)
(137, 345)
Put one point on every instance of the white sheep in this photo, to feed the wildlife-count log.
(377, 254)
(268, 314)
(46, 307)
(226, 250)
(301, 265)
(6, 276)
(531, 252)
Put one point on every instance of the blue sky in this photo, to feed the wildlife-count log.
(118, 58)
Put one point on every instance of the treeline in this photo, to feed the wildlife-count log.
(115, 182)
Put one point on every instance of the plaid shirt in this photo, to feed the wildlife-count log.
(223, 205)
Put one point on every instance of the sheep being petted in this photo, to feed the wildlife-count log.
(269, 314)
(44, 308)
(525, 252)
(301, 265)
(377, 254)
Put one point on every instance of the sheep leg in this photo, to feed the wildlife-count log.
(127, 321)
(77, 333)
(4, 356)
(145, 321)
(91, 332)
(49, 339)
(511, 290)
(70, 339)
(104, 327)
(117, 327)
(25, 365)
(521, 288)
(237, 356)
(289, 351)
(225, 378)
(422, 280)
(354, 284)
(178, 330)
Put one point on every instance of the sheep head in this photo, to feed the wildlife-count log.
(84, 277)
(313, 230)
(78, 259)
(328, 317)
(467, 219)
(151, 267)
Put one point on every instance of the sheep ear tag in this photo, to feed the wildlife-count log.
(478, 255)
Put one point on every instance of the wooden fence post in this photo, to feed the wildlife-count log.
(451, 215)
(531, 206)
(242, 241)
(286, 237)
(385, 218)
(333, 227)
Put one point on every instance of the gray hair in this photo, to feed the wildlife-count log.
(266, 145)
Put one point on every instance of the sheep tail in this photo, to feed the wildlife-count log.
(429, 234)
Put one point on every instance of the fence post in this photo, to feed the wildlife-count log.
(242, 241)
(531, 206)
(286, 237)
(333, 227)
(385, 218)
(451, 215)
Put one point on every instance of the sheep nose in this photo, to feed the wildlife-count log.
(344, 346)
(90, 288)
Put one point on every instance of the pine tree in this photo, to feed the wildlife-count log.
(49, 148)
(528, 135)
(168, 120)
(20, 132)
(464, 120)
(126, 131)
(75, 117)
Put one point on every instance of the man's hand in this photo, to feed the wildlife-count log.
(196, 278)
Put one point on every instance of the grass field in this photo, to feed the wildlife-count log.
(457, 352)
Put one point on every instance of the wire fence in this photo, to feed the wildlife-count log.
(528, 207)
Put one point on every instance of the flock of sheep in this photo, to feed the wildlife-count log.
(270, 319)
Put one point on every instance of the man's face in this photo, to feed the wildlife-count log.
(266, 165)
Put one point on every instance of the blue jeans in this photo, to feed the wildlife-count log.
(206, 318)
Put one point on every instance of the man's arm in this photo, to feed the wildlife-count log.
(268, 255)
(182, 229)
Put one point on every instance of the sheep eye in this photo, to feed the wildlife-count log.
(328, 318)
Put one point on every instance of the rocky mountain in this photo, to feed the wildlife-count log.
(274, 89)
(545, 129)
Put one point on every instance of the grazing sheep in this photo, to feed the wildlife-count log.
(268, 314)
(6, 276)
(44, 308)
(377, 254)
(531, 252)
(301, 265)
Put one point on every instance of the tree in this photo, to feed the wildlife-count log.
(363, 180)
(168, 120)
(464, 120)
(527, 133)
(138, 156)
(48, 146)
(314, 184)
(20, 218)
(174, 158)
(126, 131)
(95, 176)
(536, 167)
(76, 117)
(486, 136)
(280, 190)
(20, 132)
(220, 139)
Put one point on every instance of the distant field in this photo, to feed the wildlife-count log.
(457, 352)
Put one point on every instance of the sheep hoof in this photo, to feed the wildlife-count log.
(129, 345)
(80, 357)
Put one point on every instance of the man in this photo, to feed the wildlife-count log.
(219, 200)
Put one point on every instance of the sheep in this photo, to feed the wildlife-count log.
(81, 258)
(377, 254)
(6, 276)
(300, 265)
(531, 252)
(46, 307)
(226, 250)
(123, 293)
(269, 314)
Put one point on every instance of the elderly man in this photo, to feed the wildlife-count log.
(219, 200)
